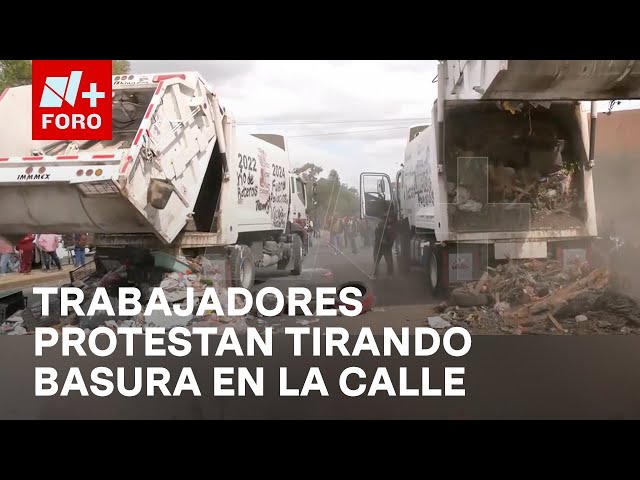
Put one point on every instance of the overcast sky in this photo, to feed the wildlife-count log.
(371, 94)
(344, 97)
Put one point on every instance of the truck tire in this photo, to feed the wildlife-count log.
(435, 271)
(282, 264)
(243, 268)
(404, 253)
(296, 255)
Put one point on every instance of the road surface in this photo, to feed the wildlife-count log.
(401, 300)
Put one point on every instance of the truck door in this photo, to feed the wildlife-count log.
(376, 195)
(298, 200)
(399, 193)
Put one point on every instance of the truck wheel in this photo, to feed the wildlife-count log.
(282, 264)
(296, 255)
(243, 269)
(434, 271)
(404, 254)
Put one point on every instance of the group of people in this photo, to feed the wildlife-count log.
(345, 231)
(44, 244)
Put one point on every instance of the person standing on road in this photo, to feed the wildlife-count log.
(6, 250)
(25, 247)
(48, 242)
(384, 238)
(80, 240)
(334, 232)
(353, 235)
(41, 254)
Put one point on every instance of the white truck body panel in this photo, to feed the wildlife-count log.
(167, 131)
(256, 197)
(542, 79)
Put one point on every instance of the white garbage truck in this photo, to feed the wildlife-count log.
(175, 177)
(504, 170)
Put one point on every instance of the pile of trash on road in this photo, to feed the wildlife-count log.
(541, 297)
(201, 273)
(174, 276)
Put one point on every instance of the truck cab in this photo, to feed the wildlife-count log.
(298, 187)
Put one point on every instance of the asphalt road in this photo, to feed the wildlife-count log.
(326, 266)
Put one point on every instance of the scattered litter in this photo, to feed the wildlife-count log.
(159, 319)
(18, 330)
(378, 309)
(536, 294)
(438, 322)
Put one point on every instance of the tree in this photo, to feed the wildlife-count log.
(333, 198)
(311, 170)
(14, 73)
(118, 67)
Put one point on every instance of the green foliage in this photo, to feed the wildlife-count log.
(14, 73)
(312, 171)
(120, 66)
(333, 197)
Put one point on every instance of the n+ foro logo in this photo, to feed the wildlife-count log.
(71, 100)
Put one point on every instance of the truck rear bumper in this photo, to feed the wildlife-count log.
(464, 262)
(529, 235)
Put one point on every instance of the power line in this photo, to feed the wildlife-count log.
(388, 120)
(347, 132)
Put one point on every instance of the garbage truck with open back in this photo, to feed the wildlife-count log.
(505, 169)
(175, 176)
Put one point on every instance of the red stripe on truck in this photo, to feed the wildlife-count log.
(138, 135)
(4, 92)
(158, 88)
(125, 165)
(103, 156)
(146, 115)
(4, 159)
(29, 159)
(67, 157)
